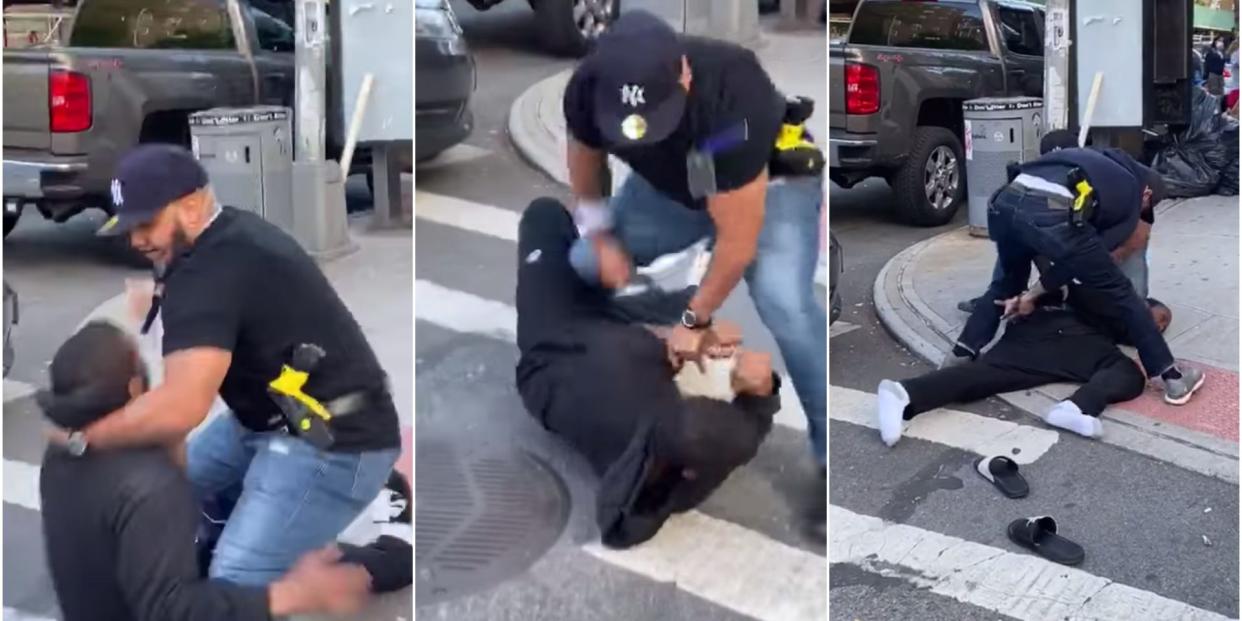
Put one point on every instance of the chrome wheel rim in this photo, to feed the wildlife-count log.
(941, 178)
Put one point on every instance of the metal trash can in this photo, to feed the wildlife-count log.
(248, 154)
(998, 130)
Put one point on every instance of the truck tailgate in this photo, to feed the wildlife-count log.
(836, 86)
(26, 115)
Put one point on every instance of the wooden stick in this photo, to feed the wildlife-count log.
(1092, 99)
(355, 123)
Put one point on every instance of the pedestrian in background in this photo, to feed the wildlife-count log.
(1214, 67)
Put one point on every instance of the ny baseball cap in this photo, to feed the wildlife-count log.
(637, 67)
(148, 179)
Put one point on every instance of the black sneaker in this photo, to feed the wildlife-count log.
(398, 490)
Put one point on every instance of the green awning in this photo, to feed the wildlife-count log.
(1207, 18)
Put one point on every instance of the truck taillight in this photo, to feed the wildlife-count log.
(862, 89)
(69, 99)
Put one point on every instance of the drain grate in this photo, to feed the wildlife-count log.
(480, 518)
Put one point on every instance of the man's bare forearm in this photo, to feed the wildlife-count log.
(729, 262)
(153, 419)
(585, 165)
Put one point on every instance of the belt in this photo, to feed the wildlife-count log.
(1055, 200)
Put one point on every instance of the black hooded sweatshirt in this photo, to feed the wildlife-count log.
(602, 386)
(119, 529)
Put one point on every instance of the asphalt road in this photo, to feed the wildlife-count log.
(1145, 524)
(467, 205)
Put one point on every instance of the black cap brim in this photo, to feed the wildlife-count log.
(122, 224)
(659, 122)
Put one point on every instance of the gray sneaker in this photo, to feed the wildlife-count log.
(1178, 391)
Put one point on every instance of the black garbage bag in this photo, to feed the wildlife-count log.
(1197, 158)
(1186, 173)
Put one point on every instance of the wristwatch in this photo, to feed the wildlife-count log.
(77, 443)
(691, 320)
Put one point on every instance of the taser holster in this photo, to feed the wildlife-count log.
(795, 154)
(306, 416)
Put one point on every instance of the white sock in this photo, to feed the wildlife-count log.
(891, 402)
(1066, 415)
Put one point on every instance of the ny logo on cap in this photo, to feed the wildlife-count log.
(632, 95)
(117, 198)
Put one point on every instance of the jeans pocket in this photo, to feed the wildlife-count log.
(371, 473)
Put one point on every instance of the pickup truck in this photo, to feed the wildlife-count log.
(129, 72)
(897, 83)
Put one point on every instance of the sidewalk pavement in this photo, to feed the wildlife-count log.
(1193, 258)
(795, 60)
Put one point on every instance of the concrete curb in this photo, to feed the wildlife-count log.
(909, 319)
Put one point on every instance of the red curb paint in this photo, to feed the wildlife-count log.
(405, 463)
(1213, 410)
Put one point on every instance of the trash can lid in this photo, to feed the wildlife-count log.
(217, 117)
(994, 104)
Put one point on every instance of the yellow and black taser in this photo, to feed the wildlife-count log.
(307, 417)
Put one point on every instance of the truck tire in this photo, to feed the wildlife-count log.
(566, 24)
(931, 185)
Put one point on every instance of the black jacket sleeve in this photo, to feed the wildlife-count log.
(157, 568)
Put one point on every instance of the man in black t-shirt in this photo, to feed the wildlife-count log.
(697, 121)
(238, 297)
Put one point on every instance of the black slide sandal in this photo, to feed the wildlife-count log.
(1002, 472)
(1039, 534)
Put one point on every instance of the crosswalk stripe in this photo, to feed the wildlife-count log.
(970, 432)
(467, 215)
(459, 311)
(456, 155)
(14, 390)
(1021, 586)
(497, 222)
(21, 484)
(841, 327)
(13, 614)
(731, 566)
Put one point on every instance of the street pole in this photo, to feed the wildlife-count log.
(319, 220)
(1057, 64)
(310, 65)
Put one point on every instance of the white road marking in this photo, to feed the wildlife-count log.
(13, 614)
(456, 155)
(1019, 585)
(467, 215)
(731, 566)
(970, 432)
(494, 221)
(14, 390)
(841, 327)
(468, 313)
(21, 484)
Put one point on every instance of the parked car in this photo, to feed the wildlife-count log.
(444, 80)
(569, 27)
(132, 72)
(10, 320)
(897, 84)
(836, 267)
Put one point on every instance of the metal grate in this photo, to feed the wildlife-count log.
(480, 519)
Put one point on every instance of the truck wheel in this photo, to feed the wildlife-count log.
(572, 26)
(932, 184)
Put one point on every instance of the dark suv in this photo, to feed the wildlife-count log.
(898, 82)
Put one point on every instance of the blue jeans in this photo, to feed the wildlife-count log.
(295, 497)
(1024, 226)
(781, 279)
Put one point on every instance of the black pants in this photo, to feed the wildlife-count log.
(1046, 348)
(1023, 226)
